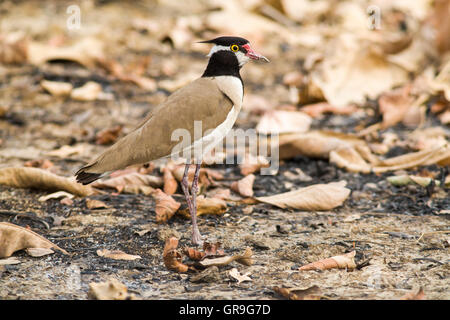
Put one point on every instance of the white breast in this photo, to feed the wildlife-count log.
(233, 89)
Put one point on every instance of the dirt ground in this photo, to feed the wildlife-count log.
(400, 233)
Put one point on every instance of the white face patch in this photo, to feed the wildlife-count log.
(242, 58)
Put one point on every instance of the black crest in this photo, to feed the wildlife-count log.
(227, 41)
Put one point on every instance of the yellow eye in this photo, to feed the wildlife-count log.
(234, 48)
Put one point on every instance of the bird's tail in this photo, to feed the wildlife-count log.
(85, 177)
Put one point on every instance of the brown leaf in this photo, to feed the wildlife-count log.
(40, 163)
(108, 136)
(56, 195)
(235, 274)
(311, 293)
(166, 206)
(345, 261)
(93, 204)
(133, 182)
(57, 89)
(419, 295)
(394, 105)
(206, 176)
(352, 160)
(252, 164)
(245, 258)
(170, 184)
(315, 197)
(86, 52)
(315, 144)
(279, 121)
(13, 48)
(116, 255)
(42, 179)
(220, 193)
(38, 252)
(244, 186)
(317, 109)
(171, 256)
(90, 91)
(193, 254)
(109, 290)
(14, 238)
(206, 206)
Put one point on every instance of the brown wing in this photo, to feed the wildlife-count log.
(200, 100)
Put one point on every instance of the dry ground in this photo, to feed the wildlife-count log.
(400, 234)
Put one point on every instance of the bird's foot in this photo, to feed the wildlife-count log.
(197, 238)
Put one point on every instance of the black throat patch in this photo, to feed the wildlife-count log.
(223, 63)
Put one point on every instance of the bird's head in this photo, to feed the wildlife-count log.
(239, 46)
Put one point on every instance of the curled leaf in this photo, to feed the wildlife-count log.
(109, 290)
(116, 255)
(42, 179)
(171, 256)
(245, 258)
(170, 184)
(311, 293)
(166, 206)
(206, 206)
(345, 261)
(315, 197)
(244, 186)
(14, 238)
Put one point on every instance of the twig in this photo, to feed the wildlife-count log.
(431, 233)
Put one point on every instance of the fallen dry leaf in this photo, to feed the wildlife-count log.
(67, 151)
(42, 179)
(279, 121)
(171, 256)
(56, 195)
(193, 253)
(86, 52)
(352, 159)
(244, 258)
(244, 186)
(57, 89)
(90, 91)
(311, 293)
(413, 295)
(394, 105)
(108, 136)
(209, 249)
(251, 164)
(108, 290)
(235, 274)
(93, 204)
(14, 238)
(315, 144)
(165, 207)
(133, 182)
(40, 163)
(170, 184)
(116, 255)
(38, 252)
(345, 261)
(10, 260)
(206, 206)
(312, 198)
(317, 109)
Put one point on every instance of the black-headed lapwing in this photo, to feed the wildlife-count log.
(209, 104)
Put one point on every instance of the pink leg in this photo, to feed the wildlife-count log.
(191, 202)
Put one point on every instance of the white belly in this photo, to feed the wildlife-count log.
(232, 88)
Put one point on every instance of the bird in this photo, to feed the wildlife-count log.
(204, 111)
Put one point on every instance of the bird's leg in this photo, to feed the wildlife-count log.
(196, 237)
